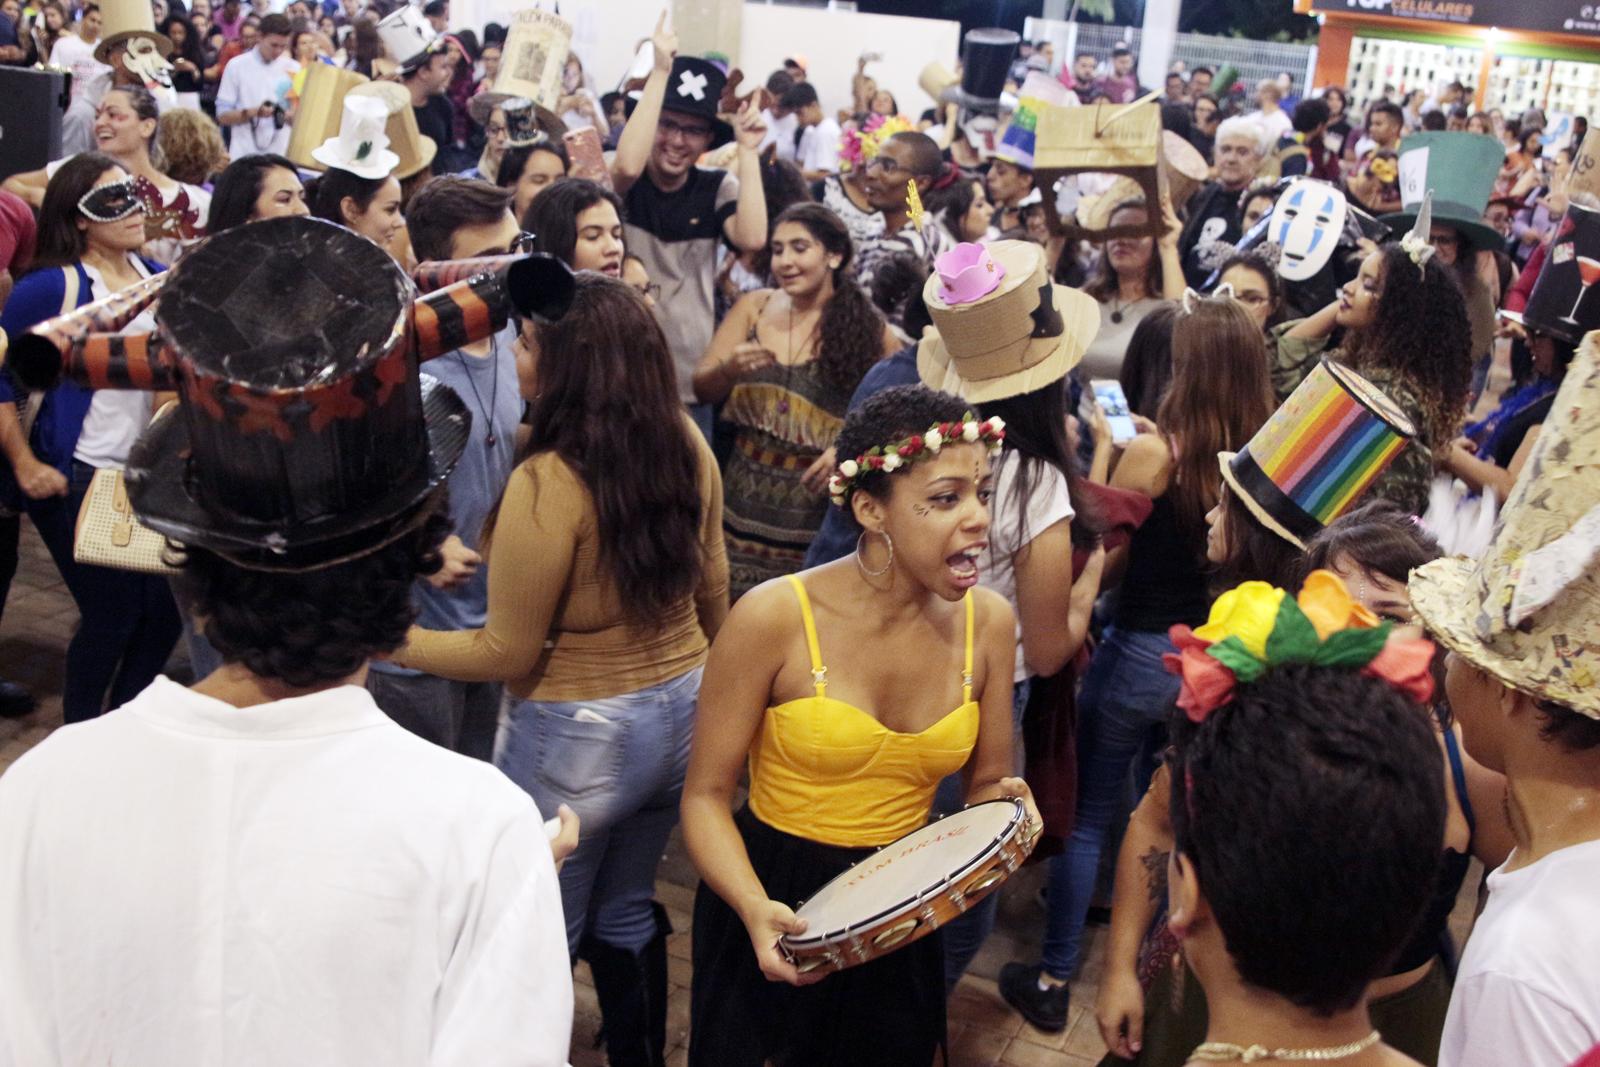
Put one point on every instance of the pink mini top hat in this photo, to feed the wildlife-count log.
(967, 272)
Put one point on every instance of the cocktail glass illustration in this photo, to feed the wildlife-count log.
(1589, 272)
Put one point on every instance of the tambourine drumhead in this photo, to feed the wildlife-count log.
(905, 871)
(1372, 398)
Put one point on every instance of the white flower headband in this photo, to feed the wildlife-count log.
(891, 457)
(1418, 244)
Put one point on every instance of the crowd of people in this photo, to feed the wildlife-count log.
(843, 473)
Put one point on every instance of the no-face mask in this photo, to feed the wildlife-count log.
(144, 60)
(1306, 223)
(110, 202)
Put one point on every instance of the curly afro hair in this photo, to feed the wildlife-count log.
(312, 627)
(889, 416)
(1421, 331)
(1312, 808)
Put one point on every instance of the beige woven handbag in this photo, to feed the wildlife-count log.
(109, 534)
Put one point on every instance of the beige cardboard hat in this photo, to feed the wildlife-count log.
(534, 57)
(321, 111)
(936, 78)
(995, 337)
(121, 20)
(406, 139)
(1528, 612)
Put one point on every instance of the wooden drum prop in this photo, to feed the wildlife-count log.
(911, 887)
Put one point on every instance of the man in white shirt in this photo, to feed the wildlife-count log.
(253, 97)
(1521, 626)
(75, 52)
(264, 869)
(817, 153)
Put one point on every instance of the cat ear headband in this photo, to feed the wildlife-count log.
(1191, 298)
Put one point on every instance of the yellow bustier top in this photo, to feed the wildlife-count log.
(827, 771)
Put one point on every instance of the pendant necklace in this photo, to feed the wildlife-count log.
(486, 411)
(1116, 311)
(788, 367)
(1223, 1052)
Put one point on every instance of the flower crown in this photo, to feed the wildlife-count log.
(1256, 626)
(896, 454)
(858, 146)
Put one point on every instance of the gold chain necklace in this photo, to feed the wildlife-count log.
(1223, 1051)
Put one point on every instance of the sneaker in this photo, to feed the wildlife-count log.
(1046, 1009)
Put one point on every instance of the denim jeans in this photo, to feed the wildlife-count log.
(619, 763)
(1127, 695)
(965, 934)
(460, 716)
(128, 622)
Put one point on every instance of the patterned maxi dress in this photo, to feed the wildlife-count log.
(785, 416)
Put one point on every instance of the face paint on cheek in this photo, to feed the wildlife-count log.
(921, 510)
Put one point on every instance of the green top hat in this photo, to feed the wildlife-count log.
(1460, 168)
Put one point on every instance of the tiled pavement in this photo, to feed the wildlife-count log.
(984, 1032)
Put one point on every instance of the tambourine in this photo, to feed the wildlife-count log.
(911, 887)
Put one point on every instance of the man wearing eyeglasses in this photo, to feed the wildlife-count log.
(903, 159)
(677, 212)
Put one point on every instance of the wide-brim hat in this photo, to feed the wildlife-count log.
(1460, 169)
(1561, 304)
(694, 88)
(1318, 453)
(121, 20)
(415, 149)
(361, 146)
(1528, 610)
(1018, 336)
(306, 435)
(545, 121)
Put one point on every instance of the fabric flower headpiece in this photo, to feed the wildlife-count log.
(896, 454)
(858, 146)
(1256, 626)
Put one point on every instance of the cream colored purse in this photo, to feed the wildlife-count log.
(109, 534)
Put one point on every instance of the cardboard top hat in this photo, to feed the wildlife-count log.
(936, 79)
(1528, 610)
(986, 56)
(1318, 453)
(321, 112)
(409, 40)
(361, 146)
(295, 346)
(1561, 304)
(1100, 138)
(415, 149)
(1001, 327)
(534, 57)
(1461, 169)
(123, 21)
(527, 123)
(694, 88)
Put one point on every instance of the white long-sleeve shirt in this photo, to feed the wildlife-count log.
(191, 884)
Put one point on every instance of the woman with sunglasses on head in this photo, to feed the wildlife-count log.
(835, 688)
(125, 127)
(91, 228)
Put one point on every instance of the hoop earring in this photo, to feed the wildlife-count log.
(888, 543)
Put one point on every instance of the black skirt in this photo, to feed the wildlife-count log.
(885, 1013)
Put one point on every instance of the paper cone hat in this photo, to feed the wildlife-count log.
(1561, 303)
(320, 113)
(1460, 168)
(1318, 453)
(416, 151)
(123, 19)
(1528, 612)
(993, 341)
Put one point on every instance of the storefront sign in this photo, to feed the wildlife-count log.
(1551, 16)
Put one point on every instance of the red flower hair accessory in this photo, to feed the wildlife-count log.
(896, 454)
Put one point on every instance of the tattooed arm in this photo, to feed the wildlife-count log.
(1140, 895)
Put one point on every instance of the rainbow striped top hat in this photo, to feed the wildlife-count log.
(1318, 452)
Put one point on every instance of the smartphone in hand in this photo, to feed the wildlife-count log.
(1108, 394)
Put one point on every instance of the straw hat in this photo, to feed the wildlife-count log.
(1318, 453)
(415, 150)
(362, 143)
(121, 20)
(1528, 612)
(1000, 326)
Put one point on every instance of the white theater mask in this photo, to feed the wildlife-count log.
(1306, 223)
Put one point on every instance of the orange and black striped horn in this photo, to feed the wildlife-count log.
(470, 299)
(84, 346)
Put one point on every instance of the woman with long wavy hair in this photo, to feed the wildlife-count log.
(1221, 393)
(1406, 330)
(607, 580)
(784, 363)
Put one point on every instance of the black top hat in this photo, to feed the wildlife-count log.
(986, 57)
(1561, 303)
(693, 88)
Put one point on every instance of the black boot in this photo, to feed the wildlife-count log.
(632, 989)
